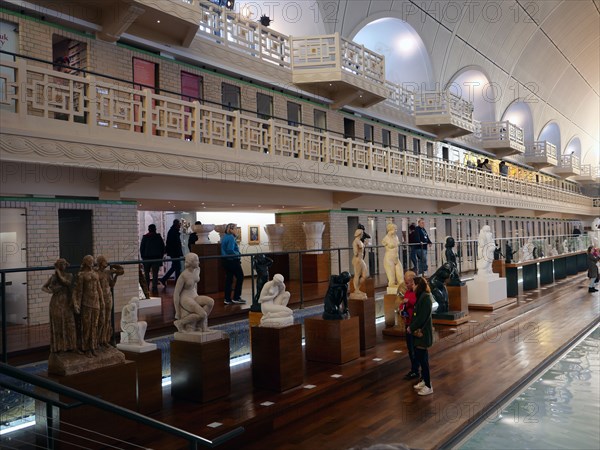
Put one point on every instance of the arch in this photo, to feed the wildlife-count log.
(551, 133)
(573, 147)
(472, 83)
(519, 113)
(407, 61)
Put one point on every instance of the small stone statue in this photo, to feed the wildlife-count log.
(191, 310)
(438, 288)
(132, 330)
(485, 251)
(108, 278)
(261, 266)
(273, 300)
(63, 333)
(528, 249)
(359, 265)
(451, 261)
(336, 298)
(87, 301)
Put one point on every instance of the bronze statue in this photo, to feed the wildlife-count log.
(261, 264)
(451, 261)
(438, 287)
(336, 298)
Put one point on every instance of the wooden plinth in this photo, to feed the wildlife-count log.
(315, 268)
(148, 379)
(200, 371)
(277, 357)
(115, 384)
(367, 286)
(253, 321)
(462, 320)
(365, 311)
(458, 298)
(281, 264)
(332, 341)
(390, 306)
(499, 267)
(212, 275)
(493, 306)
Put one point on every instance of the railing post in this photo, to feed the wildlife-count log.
(3, 311)
(301, 142)
(301, 280)
(49, 426)
(271, 146)
(339, 251)
(92, 94)
(237, 131)
(252, 278)
(21, 82)
(198, 129)
(147, 107)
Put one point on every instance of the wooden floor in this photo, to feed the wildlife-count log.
(473, 367)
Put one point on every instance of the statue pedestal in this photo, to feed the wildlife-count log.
(253, 321)
(367, 286)
(277, 357)
(390, 306)
(212, 275)
(449, 318)
(332, 341)
(499, 267)
(487, 292)
(365, 311)
(315, 267)
(200, 371)
(114, 383)
(148, 367)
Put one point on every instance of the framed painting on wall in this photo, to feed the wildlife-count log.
(253, 234)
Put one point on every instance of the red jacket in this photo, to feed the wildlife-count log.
(409, 306)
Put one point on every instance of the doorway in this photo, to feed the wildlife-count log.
(13, 246)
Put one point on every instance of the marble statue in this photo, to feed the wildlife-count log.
(273, 300)
(438, 287)
(485, 251)
(527, 251)
(87, 301)
(359, 265)
(261, 263)
(451, 261)
(191, 310)
(63, 333)
(391, 261)
(132, 330)
(336, 298)
(108, 278)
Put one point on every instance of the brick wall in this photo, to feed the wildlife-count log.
(115, 237)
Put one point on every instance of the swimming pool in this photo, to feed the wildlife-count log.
(560, 410)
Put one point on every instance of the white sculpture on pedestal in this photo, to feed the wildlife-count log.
(391, 260)
(314, 235)
(359, 265)
(133, 330)
(203, 231)
(485, 252)
(191, 310)
(527, 251)
(275, 232)
(273, 300)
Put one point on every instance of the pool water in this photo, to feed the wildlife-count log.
(561, 410)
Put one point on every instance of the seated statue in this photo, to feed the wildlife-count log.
(191, 310)
(261, 266)
(336, 298)
(451, 260)
(132, 330)
(273, 300)
(438, 287)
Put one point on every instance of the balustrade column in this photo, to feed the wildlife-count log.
(92, 94)
(197, 115)
(147, 107)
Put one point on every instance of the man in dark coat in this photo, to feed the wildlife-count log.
(152, 247)
(173, 250)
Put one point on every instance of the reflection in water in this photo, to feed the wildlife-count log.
(560, 410)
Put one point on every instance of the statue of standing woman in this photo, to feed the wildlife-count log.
(485, 251)
(359, 265)
(87, 300)
(63, 333)
(391, 260)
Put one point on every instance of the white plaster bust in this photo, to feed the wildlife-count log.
(485, 251)
(273, 300)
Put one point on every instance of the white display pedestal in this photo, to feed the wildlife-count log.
(486, 290)
(150, 302)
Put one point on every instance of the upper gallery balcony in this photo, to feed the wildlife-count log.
(568, 166)
(541, 154)
(341, 70)
(588, 175)
(501, 138)
(443, 114)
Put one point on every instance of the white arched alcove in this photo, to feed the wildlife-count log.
(407, 61)
(519, 113)
(473, 85)
(551, 133)
(573, 147)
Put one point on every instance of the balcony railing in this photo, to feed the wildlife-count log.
(570, 163)
(589, 171)
(31, 90)
(542, 149)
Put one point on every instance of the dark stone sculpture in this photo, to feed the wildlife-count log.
(509, 253)
(364, 237)
(336, 299)
(261, 266)
(438, 287)
(451, 261)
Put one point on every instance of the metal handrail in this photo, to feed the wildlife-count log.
(86, 399)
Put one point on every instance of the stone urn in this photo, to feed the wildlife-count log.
(203, 231)
(221, 230)
(275, 232)
(314, 235)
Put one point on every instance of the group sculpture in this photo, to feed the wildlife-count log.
(80, 307)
